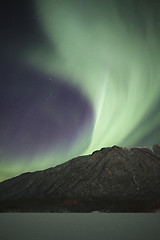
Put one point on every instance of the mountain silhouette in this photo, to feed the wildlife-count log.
(113, 179)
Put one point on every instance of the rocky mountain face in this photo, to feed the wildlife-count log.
(113, 179)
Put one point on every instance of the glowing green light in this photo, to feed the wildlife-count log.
(112, 62)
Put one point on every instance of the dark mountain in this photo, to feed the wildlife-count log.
(113, 179)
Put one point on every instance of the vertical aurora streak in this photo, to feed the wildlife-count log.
(95, 40)
(109, 52)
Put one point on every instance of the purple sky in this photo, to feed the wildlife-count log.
(39, 112)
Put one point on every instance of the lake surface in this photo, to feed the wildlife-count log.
(94, 226)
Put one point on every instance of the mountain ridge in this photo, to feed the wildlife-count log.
(110, 179)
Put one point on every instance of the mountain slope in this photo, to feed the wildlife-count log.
(111, 179)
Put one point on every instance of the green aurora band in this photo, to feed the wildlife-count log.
(113, 58)
(113, 63)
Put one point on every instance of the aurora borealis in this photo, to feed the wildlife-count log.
(76, 76)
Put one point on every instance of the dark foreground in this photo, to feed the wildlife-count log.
(77, 206)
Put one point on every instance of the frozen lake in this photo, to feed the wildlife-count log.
(93, 226)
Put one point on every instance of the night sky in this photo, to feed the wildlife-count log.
(76, 76)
